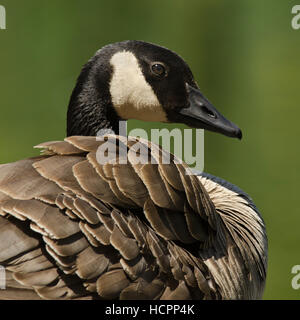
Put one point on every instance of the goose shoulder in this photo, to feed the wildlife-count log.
(67, 237)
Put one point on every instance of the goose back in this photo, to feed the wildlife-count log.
(74, 228)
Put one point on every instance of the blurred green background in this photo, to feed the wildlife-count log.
(245, 57)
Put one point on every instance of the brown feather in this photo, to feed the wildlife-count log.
(66, 231)
(110, 285)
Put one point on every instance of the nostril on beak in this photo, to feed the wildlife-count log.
(208, 112)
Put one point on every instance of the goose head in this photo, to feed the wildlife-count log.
(140, 80)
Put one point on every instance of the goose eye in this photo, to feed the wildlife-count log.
(158, 69)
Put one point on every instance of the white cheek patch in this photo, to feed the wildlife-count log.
(132, 96)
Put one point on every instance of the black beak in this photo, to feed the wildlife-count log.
(202, 114)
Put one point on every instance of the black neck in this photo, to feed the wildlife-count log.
(87, 119)
(90, 108)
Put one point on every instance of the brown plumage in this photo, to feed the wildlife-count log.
(73, 227)
(159, 234)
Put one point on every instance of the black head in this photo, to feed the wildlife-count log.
(139, 80)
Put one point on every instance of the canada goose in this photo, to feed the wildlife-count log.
(71, 228)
